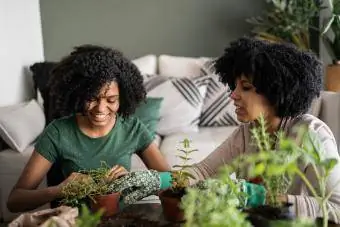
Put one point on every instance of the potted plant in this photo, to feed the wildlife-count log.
(95, 192)
(171, 198)
(331, 38)
(287, 21)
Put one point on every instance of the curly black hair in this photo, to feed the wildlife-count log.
(78, 78)
(288, 77)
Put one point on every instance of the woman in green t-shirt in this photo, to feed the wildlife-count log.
(94, 92)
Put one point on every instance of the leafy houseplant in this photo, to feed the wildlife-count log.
(331, 38)
(95, 190)
(287, 21)
(171, 198)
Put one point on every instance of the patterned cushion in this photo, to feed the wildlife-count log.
(182, 102)
(218, 108)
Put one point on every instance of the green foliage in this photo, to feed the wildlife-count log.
(215, 202)
(332, 28)
(76, 191)
(88, 219)
(287, 21)
(180, 177)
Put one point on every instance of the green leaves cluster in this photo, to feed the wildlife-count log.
(88, 219)
(215, 202)
(287, 21)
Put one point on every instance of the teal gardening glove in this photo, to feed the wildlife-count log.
(138, 185)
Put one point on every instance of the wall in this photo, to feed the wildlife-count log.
(20, 45)
(139, 27)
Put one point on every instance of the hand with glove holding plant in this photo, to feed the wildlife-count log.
(138, 185)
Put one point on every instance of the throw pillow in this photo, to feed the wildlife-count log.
(178, 66)
(149, 113)
(20, 126)
(218, 108)
(146, 64)
(182, 102)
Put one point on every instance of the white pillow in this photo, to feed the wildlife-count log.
(21, 125)
(146, 64)
(181, 105)
(177, 66)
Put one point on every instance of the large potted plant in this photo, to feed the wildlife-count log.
(287, 21)
(331, 38)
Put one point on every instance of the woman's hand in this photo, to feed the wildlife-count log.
(116, 172)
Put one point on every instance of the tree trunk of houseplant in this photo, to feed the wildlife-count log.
(333, 77)
(109, 203)
(171, 205)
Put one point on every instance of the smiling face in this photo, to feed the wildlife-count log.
(101, 111)
(249, 104)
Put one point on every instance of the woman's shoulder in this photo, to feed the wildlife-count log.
(314, 125)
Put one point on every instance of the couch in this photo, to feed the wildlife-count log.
(201, 122)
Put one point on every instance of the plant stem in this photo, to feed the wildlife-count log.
(306, 181)
(325, 213)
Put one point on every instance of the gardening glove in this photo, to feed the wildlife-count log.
(255, 195)
(138, 185)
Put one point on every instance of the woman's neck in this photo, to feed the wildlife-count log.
(91, 130)
(273, 124)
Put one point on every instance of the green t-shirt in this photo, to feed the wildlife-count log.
(63, 141)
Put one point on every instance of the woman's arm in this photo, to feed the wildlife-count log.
(153, 158)
(25, 195)
(232, 147)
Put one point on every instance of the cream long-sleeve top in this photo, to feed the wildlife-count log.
(304, 204)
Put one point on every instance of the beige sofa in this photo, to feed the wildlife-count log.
(206, 139)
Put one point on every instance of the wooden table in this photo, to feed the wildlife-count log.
(146, 214)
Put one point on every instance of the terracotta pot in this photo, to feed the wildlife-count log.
(171, 206)
(109, 203)
(333, 78)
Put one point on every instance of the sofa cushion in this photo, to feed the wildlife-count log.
(178, 66)
(21, 126)
(182, 102)
(11, 165)
(218, 108)
(146, 64)
(148, 113)
(206, 140)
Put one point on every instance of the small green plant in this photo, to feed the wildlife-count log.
(76, 191)
(88, 219)
(215, 202)
(181, 177)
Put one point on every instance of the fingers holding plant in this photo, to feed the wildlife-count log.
(115, 172)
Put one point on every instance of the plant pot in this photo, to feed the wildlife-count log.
(333, 78)
(264, 215)
(109, 203)
(171, 206)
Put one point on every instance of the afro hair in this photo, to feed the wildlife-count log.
(288, 77)
(78, 78)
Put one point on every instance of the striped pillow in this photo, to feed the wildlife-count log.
(218, 108)
(182, 102)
